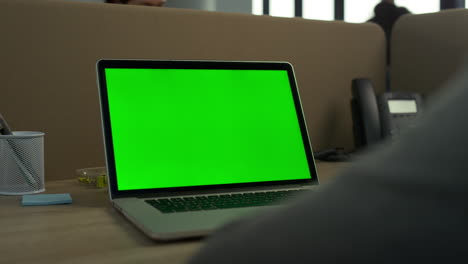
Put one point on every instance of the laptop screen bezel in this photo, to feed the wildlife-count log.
(178, 64)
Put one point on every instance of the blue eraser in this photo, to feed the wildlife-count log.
(46, 199)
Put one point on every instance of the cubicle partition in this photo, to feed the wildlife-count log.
(49, 49)
(428, 49)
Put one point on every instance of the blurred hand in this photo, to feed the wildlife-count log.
(147, 2)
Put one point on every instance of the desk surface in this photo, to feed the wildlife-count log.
(88, 231)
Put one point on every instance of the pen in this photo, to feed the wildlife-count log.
(5, 130)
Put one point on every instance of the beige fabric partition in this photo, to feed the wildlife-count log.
(49, 50)
(427, 49)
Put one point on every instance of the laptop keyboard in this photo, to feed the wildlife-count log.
(212, 202)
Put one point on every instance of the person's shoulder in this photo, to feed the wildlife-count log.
(403, 10)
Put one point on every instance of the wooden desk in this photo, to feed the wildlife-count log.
(87, 231)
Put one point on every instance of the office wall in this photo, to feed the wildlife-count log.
(209, 5)
(237, 6)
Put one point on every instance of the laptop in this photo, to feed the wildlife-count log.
(192, 145)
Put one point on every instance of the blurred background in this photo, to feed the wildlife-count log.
(354, 11)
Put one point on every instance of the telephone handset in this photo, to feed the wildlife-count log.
(383, 116)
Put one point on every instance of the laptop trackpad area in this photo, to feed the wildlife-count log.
(167, 226)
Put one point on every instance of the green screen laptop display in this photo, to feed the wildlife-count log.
(194, 127)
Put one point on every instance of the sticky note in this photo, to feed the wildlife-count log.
(46, 199)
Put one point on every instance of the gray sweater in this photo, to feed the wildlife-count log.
(401, 203)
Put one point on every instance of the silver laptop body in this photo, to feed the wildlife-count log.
(192, 145)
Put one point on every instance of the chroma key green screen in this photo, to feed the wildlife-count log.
(193, 127)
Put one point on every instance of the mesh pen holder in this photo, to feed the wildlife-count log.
(22, 163)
